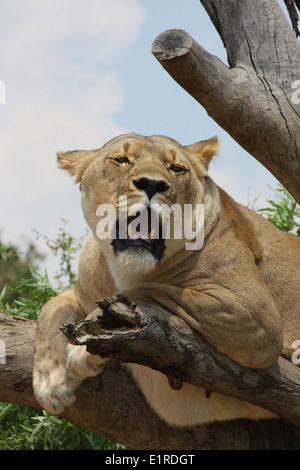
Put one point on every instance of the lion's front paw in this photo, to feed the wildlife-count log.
(82, 364)
(53, 387)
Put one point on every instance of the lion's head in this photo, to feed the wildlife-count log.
(127, 188)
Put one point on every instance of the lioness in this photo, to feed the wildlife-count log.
(240, 290)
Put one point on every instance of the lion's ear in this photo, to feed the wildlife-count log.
(204, 150)
(76, 162)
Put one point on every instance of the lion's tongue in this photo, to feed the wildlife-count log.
(135, 232)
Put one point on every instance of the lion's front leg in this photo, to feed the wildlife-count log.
(80, 363)
(59, 368)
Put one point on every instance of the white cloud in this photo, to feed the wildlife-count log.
(62, 92)
(94, 30)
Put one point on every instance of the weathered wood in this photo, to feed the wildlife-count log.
(110, 404)
(164, 342)
(114, 407)
(18, 335)
(253, 99)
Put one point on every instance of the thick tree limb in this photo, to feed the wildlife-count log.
(109, 404)
(112, 406)
(253, 100)
(147, 336)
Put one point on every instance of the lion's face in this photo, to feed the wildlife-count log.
(128, 188)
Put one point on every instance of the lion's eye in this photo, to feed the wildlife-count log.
(177, 169)
(121, 160)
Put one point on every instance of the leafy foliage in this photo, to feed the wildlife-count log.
(38, 290)
(65, 247)
(284, 212)
(15, 265)
(30, 429)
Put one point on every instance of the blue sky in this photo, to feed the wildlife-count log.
(77, 73)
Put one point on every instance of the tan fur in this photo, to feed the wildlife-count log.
(240, 291)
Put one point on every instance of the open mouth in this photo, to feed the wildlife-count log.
(140, 232)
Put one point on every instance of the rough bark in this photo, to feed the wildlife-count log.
(115, 408)
(253, 99)
(147, 336)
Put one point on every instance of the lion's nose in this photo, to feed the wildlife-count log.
(150, 186)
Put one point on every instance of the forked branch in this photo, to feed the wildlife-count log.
(254, 99)
(113, 406)
(155, 338)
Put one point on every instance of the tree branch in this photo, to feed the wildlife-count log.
(144, 335)
(115, 408)
(253, 100)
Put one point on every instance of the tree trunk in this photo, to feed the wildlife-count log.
(115, 408)
(255, 100)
